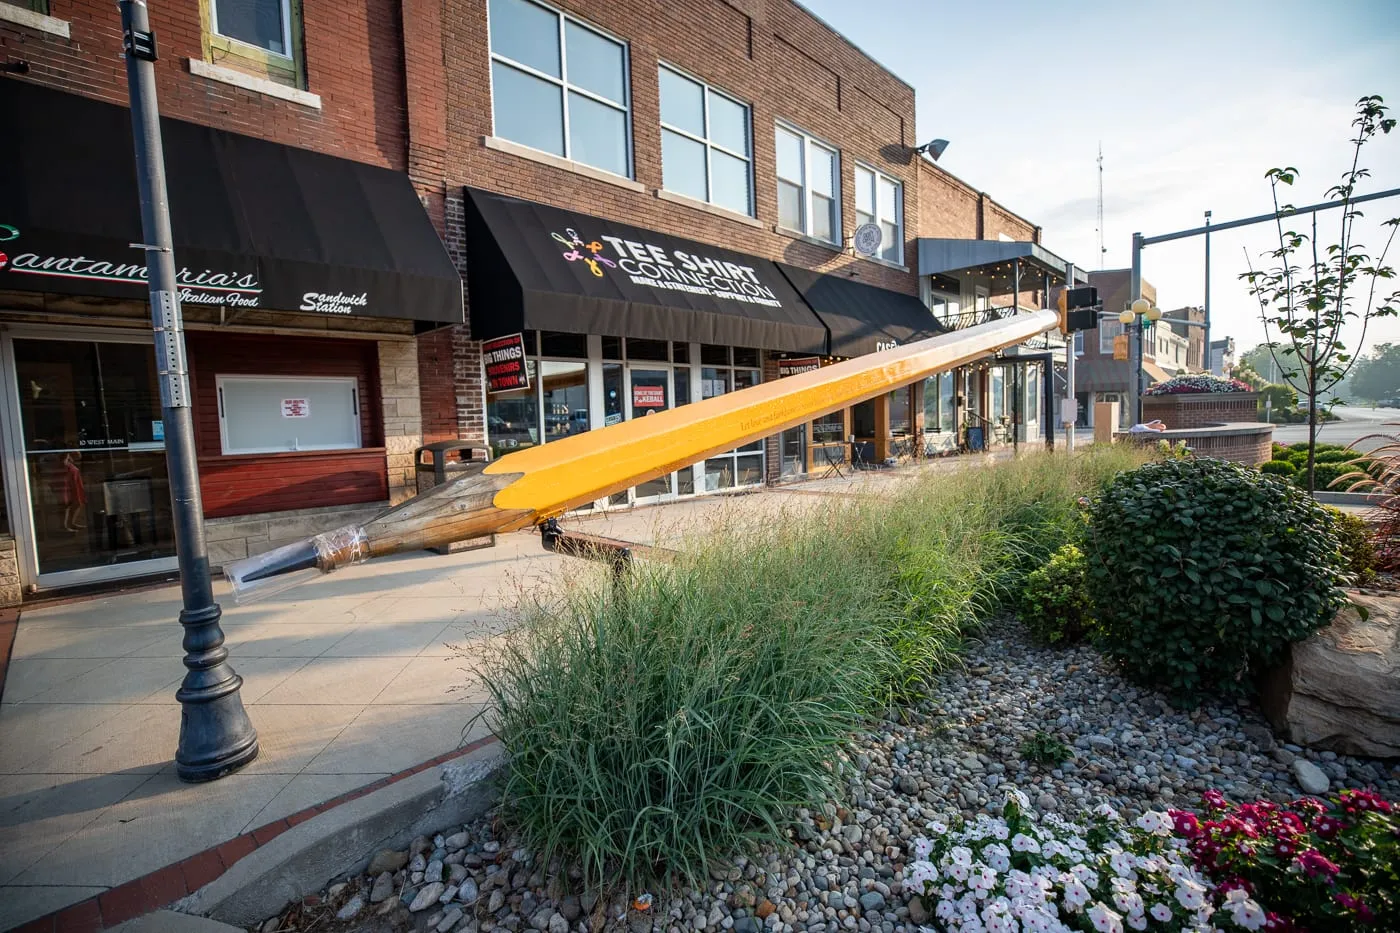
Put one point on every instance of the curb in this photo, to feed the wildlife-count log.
(258, 873)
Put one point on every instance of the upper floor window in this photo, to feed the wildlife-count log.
(880, 201)
(33, 6)
(808, 185)
(258, 37)
(706, 148)
(263, 24)
(559, 86)
(1109, 327)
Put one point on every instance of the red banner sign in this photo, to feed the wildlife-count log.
(648, 396)
(804, 365)
(504, 358)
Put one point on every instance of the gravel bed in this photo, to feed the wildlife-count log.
(953, 753)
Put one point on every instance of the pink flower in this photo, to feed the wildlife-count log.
(1315, 864)
(1214, 800)
(1327, 826)
(1185, 822)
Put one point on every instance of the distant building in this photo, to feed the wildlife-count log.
(1222, 356)
(1195, 337)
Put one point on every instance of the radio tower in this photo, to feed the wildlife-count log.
(1102, 249)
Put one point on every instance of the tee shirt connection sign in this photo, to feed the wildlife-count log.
(677, 270)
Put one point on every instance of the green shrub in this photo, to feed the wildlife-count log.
(1201, 572)
(1054, 603)
(1278, 468)
(1354, 536)
(1335, 456)
(1324, 475)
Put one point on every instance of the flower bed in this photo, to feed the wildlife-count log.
(1197, 384)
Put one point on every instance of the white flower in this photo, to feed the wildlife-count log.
(961, 855)
(1244, 910)
(1136, 921)
(1076, 894)
(1161, 913)
(1077, 843)
(1123, 863)
(1024, 843)
(1107, 811)
(938, 828)
(997, 856)
(1000, 831)
(1086, 875)
(945, 910)
(1104, 919)
(1191, 895)
(923, 848)
(922, 874)
(1020, 799)
(957, 872)
(1126, 899)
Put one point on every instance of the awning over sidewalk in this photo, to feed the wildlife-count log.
(862, 318)
(1106, 375)
(256, 224)
(532, 266)
(938, 255)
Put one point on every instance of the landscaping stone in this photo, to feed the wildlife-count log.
(387, 860)
(954, 753)
(352, 908)
(1310, 777)
(427, 897)
(1340, 689)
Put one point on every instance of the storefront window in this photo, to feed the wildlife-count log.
(830, 428)
(744, 465)
(94, 450)
(612, 348)
(278, 414)
(900, 422)
(565, 387)
(513, 418)
(1033, 393)
(938, 403)
(573, 346)
(946, 414)
(653, 350)
(998, 392)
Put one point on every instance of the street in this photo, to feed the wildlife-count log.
(1356, 423)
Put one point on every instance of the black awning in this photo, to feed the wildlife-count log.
(939, 255)
(862, 318)
(531, 266)
(255, 224)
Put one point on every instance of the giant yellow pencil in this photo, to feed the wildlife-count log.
(530, 486)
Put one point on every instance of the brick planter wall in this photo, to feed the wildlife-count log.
(1247, 443)
(1201, 409)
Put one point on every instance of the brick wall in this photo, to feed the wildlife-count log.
(353, 55)
(1199, 410)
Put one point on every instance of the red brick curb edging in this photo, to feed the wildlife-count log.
(164, 886)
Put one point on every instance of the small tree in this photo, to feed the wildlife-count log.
(1310, 293)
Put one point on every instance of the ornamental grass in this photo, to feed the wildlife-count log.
(684, 712)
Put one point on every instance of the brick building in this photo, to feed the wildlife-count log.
(661, 201)
(308, 266)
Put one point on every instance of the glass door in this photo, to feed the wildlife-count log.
(792, 449)
(91, 459)
(650, 392)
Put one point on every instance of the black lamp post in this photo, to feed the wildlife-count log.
(216, 736)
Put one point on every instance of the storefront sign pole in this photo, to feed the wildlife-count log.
(216, 736)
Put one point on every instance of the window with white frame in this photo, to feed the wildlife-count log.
(263, 24)
(706, 147)
(809, 182)
(880, 201)
(559, 86)
(944, 306)
(1109, 327)
(272, 414)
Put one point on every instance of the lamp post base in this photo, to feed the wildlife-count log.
(216, 736)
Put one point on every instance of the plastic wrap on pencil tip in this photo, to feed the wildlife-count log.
(273, 571)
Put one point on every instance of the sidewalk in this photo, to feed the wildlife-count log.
(347, 679)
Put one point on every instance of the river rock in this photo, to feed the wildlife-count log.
(1340, 689)
(1309, 777)
(387, 860)
(427, 897)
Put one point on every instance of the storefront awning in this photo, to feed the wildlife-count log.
(862, 318)
(256, 224)
(531, 266)
(939, 255)
(1107, 375)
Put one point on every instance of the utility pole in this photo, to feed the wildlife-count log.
(1205, 309)
(216, 736)
(1134, 293)
(1069, 411)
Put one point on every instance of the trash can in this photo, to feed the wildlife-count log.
(442, 462)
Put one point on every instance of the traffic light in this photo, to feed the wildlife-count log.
(1079, 308)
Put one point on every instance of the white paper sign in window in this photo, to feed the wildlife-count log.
(273, 414)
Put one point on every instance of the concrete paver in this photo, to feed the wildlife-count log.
(348, 679)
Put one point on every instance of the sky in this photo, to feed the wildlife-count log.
(1192, 102)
